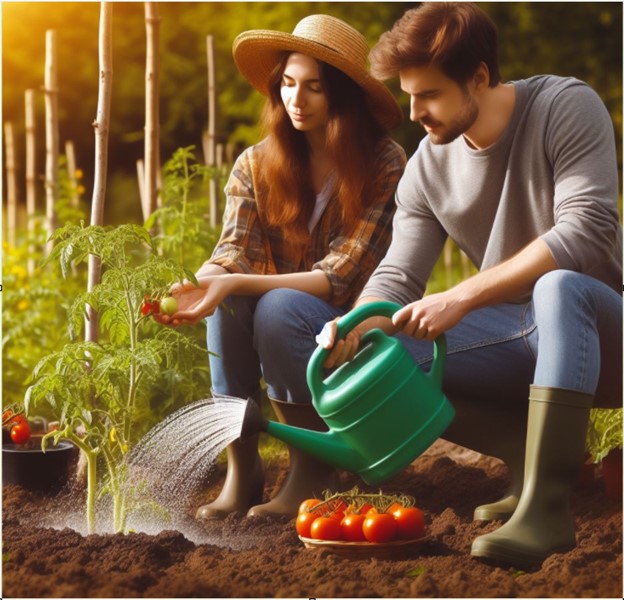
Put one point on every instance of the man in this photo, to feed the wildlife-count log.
(523, 177)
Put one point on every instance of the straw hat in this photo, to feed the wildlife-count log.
(257, 52)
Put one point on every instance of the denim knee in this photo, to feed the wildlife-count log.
(285, 325)
(557, 286)
(278, 315)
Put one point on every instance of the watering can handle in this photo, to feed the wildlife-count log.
(353, 318)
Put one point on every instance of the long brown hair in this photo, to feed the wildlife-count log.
(352, 135)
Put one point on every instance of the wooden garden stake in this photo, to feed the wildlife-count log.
(141, 178)
(210, 142)
(52, 131)
(152, 162)
(31, 169)
(100, 125)
(11, 180)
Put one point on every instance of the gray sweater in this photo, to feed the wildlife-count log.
(552, 174)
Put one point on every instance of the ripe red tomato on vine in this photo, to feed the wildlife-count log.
(380, 527)
(20, 432)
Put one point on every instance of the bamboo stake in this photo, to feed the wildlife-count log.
(212, 124)
(100, 125)
(141, 177)
(152, 23)
(9, 144)
(52, 131)
(70, 153)
(31, 181)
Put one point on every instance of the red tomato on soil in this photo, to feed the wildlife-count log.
(326, 528)
(304, 521)
(410, 522)
(351, 527)
(380, 527)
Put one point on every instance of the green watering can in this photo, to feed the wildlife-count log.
(382, 410)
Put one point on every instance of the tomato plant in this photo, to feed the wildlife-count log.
(326, 528)
(181, 220)
(352, 528)
(410, 522)
(105, 387)
(379, 528)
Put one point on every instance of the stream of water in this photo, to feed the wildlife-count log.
(177, 456)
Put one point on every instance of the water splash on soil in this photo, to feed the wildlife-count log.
(176, 457)
(165, 471)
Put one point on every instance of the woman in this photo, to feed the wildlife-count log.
(307, 219)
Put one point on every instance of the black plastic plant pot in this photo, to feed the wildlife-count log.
(28, 466)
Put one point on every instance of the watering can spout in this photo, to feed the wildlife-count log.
(253, 421)
(326, 446)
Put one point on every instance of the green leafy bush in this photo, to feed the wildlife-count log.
(604, 432)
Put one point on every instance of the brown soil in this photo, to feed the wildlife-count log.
(259, 557)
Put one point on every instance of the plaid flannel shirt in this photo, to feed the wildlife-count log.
(347, 258)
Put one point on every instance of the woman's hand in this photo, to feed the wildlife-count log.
(197, 303)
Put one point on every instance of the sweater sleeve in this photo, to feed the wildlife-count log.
(417, 241)
(581, 148)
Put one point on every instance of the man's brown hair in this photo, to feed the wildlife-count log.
(455, 37)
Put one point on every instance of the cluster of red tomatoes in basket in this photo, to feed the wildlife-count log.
(339, 521)
(17, 424)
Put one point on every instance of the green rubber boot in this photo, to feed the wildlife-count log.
(307, 477)
(244, 480)
(502, 509)
(471, 429)
(542, 523)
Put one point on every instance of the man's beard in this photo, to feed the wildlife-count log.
(462, 123)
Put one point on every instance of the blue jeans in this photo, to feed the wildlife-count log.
(568, 336)
(271, 337)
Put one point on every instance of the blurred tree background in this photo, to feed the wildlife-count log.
(581, 39)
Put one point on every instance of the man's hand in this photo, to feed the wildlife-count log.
(429, 317)
(342, 350)
(345, 349)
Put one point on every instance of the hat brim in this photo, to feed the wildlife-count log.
(257, 53)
